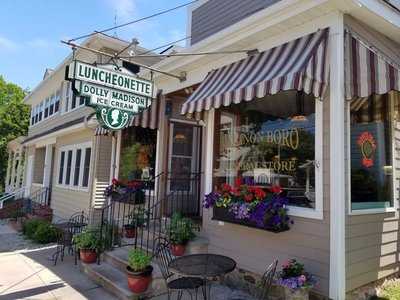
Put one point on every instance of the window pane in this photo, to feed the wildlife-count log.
(138, 153)
(371, 153)
(269, 142)
(81, 100)
(69, 162)
(182, 140)
(77, 167)
(61, 173)
(73, 104)
(86, 167)
(57, 106)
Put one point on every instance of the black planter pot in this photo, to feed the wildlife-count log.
(223, 214)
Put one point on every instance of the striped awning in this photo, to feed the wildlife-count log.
(367, 71)
(148, 118)
(300, 64)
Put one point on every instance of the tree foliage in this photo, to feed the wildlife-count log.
(14, 120)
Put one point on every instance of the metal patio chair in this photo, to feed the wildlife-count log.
(266, 281)
(76, 223)
(262, 293)
(173, 282)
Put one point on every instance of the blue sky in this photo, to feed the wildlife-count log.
(30, 31)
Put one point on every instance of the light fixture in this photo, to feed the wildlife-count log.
(180, 137)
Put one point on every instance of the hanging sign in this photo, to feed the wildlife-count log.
(116, 96)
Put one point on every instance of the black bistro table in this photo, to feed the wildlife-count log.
(202, 265)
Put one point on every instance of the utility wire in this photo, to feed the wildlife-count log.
(134, 21)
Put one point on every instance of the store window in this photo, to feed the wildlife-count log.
(270, 142)
(138, 153)
(74, 166)
(371, 141)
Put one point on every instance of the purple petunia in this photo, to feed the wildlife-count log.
(210, 199)
(240, 211)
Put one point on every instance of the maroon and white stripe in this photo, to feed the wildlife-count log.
(149, 118)
(366, 72)
(300, 64)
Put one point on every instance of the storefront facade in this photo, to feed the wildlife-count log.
(313, 110)
(312, 138)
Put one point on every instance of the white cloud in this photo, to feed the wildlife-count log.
(7, 44)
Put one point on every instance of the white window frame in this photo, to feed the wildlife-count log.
(310, 213)
(357, 212)
(74, 148)
(68, 100)
(318, 211)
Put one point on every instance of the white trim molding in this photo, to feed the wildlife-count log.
(71, 180)
(337, 270)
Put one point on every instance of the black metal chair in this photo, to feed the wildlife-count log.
(261, 293)
(266, 281)
(76, 223)
(174, 283)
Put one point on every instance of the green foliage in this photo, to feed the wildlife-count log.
(40, 231)
(14, 120)
(292, 269)
(180, 230)
(88, 239)
(390, 290)
(138, 260)
(45, 233)
(30, 226)
(128, 162)
(137, 217)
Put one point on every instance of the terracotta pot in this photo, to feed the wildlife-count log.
(130, 231)
(178, 250)
(138, 282)
(88, 256)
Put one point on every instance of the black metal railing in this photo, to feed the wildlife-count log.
(140, 217)
(38, 199)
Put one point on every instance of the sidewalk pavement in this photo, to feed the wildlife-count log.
(29, 274)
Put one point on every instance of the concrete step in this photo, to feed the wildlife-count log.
(115, 281)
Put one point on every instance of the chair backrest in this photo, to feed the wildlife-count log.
(266, 281)
(163, 256)
(78, 222)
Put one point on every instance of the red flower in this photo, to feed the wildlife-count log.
(248, 197)
(260, 194)
(114, 181)
(238, 181)
(276, 189)
(226, 187)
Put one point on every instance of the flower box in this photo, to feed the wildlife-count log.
(223, 214)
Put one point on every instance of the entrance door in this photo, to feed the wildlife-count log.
(29, 173)
(184, 166)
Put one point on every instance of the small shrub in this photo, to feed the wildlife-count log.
(30, 226)
(45, 233)
(138, 260)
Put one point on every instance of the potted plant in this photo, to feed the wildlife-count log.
(136, 220)
(139, 271)
(88, 243)
(180, 233)
(295, 281)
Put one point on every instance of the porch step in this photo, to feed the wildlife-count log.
(114, 280)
